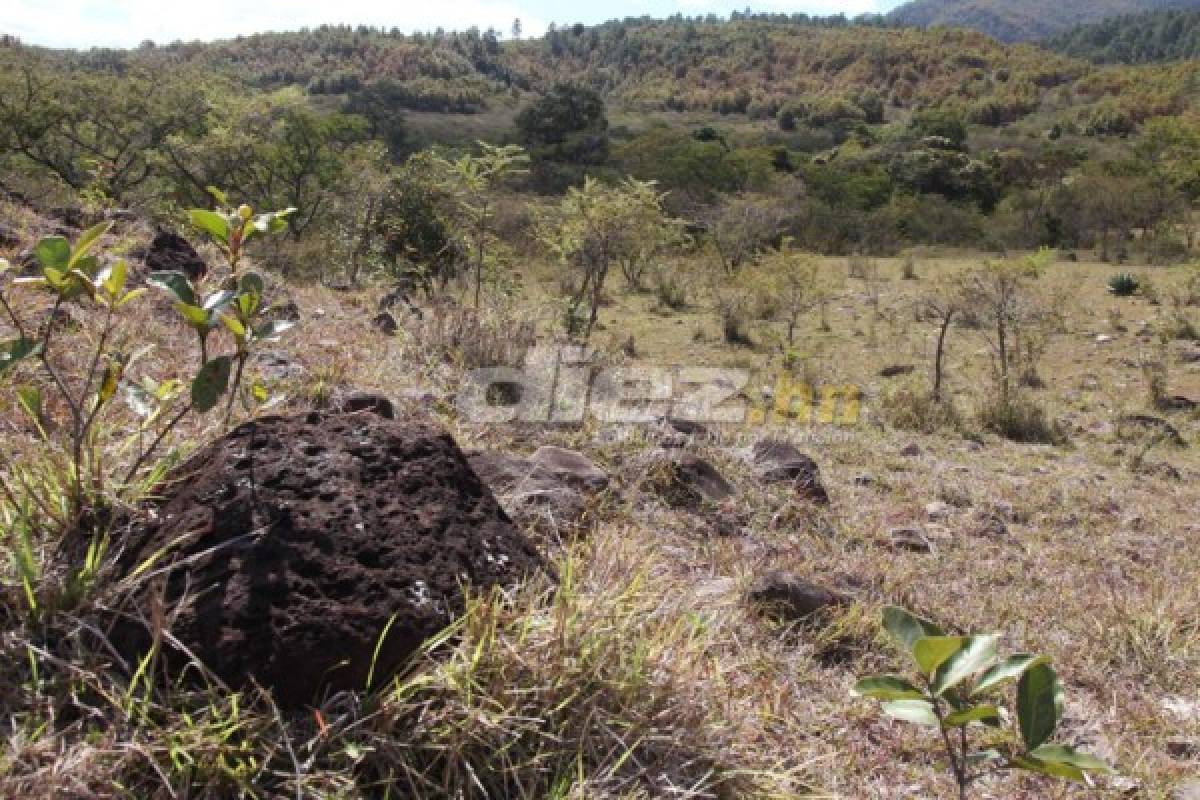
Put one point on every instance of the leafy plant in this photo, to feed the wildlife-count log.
(959, 689)
(1123, 285)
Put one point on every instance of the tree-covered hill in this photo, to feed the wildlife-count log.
(1170, 35)
(1022, 20)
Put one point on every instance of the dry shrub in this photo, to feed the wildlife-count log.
(914, 408)
(494, 336)
(1020, 418)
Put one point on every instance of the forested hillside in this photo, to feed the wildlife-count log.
(1134, 39)
(1022, 20)
(870, 137)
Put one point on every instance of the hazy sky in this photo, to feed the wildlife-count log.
(125, 23)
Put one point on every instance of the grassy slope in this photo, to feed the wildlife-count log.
(652, 641)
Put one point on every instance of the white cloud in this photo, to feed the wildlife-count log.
(125, 23)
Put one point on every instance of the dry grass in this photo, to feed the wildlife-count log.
(645, 674)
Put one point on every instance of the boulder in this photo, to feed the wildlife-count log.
(790, 597)
(295, 541)
(779, 461)
(170, 252)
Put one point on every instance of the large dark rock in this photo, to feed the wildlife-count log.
(779, 461)
(294, 541)
(170, 252)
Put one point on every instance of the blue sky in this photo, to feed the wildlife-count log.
(125, 23)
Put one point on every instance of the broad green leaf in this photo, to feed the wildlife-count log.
(218, 195)
(235, 326)
(1039, 704)
(196, 316)
(275, 222)
(1008, 670)
(248, 304)
(1052, 768)
(108, 385)
(933, 651)
(988, 714)
(977, 654)
(53, 252)
(907, 628)
(87, 241)
(1061, 754)
(15, 350)
(918, 712)
(210, 383)
(211, 222)
(251, 282)
(175, 284)
(887, 687)
(114, 281)
(30, 400)
(131, 296)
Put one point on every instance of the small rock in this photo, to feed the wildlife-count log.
(1183, 748)
(8, 236)
(937, 511)
(865, 479)
(913, 539)
(367, 401)
(911, 450)
(688, 481)
(385, 323)
(779, 461)
(790, 597)
(897, 370)
(1104, 338)
(170, 252)
(571, 467)
(726, 524)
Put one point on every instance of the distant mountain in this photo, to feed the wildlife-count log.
(1134, 39)
(1023, 20)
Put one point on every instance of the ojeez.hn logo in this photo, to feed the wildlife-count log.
(562, 385)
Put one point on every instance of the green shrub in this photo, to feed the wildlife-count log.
(959, 689)
(1123, 285)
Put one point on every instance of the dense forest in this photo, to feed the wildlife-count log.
(1022, 20)
(1135, 38)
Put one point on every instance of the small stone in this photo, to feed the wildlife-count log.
(1183, 748)
(937, 511)
(385, 323)
(790, 597)
(911, 450)
(367, 401)
(1104, 338)
(779, 461)
(897, 370)
(865, 479)
(573, 468)
(913, 539)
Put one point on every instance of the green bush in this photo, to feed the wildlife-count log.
(959, 689)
